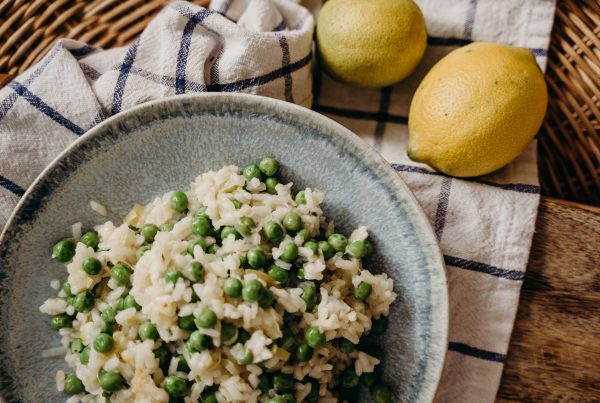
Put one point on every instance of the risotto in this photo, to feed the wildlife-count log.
(235, 290)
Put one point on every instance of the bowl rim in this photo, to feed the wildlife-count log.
(401, 190)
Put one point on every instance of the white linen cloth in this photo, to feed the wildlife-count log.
(484, 225)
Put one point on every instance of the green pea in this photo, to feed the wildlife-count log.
(245, 226)
(61, 321)
(229, 335)
(73, 385)
(84, 357)
(338, 242)
(268, 166)
(283, 382)
(147, 331)
(108, 316)
(174, 386)
(257, 258)
(164, 357)
(300, 274)
(232, 287)
(349, 378)
(142, 251)
(368, 378)
(67, 288)
(363, 290)
(265, 382)
(71, 300)
(130, 302)
(252, 290)
(63, 251)
(179, 201)
(277, 273)
(276, 399)
(243, 260)
(289, 398)
(252, 171)
(304, 234)
(171, 276)
(120, 274)
(314, 337)
(289, 253)
(244, 356)
(103, 343)
(271, 183)
(313, 246)
(195, 297)
(357, 249)
(111, 381)
(77, 346)
(379, 326)
(186, 323)
(199, 341)
(212, 249)
(326, 249)
(368, 248)
(182, 365)
(266, 299)
(149, 231)
(301, 197)
(273, 232)
(292, 222)
(198, 242)
(310, 297)
(200, 225)
(229, 231)
(194, 271)
(304, 352)
(91, 265)
(244, 336)
(90, 239)
(288, 338)
(166, 227)
(83, 302)
(347, 346)
(119, 304)
(206, 318)
(380, 393)
(209, 396)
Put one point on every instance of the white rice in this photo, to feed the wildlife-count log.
(336, 314)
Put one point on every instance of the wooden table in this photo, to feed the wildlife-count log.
(554, 353)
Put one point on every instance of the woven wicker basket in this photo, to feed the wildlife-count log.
(569, 147)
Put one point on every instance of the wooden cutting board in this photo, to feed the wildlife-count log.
(554, 353)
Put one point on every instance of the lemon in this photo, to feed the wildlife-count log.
(370, 43)
(477, 109)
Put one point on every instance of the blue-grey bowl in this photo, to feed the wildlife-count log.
(163, 145)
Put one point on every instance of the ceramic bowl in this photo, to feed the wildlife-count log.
(163, 145)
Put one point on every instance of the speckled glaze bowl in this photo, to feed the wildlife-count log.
(163, 145)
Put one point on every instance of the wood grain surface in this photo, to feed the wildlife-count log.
(554, 353)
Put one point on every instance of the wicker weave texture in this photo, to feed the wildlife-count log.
(569, 146)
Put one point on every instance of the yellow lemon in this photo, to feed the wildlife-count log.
(477, 109)
(370, 43)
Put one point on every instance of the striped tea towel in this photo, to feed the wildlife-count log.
(264, 47)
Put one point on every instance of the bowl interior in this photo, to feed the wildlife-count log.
(164, 145)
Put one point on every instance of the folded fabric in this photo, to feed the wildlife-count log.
(264, 47)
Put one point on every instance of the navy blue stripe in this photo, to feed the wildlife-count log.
(261, 80)
(89, 71)
(442, 207)
(475, 352)
(11, 186)
(122, 78)
(356, 114)
(285, 61)
(83, 51)
(471, 265)
(45, 108)
(384, 106)
(184, 49)
(437, 41)
(515, 187)
(280, 26)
